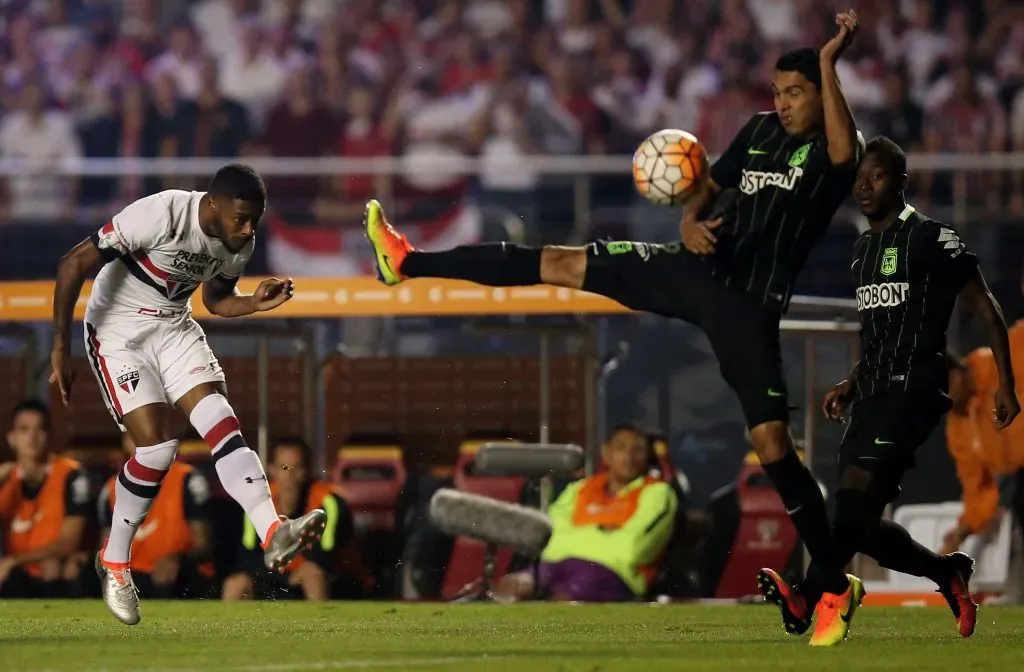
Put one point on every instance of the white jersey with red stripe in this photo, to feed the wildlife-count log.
(157, 255)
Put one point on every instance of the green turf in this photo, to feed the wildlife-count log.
(285, 636)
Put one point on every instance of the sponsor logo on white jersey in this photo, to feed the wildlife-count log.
(884, 295)
(753, 181)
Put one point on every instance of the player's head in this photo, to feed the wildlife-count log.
(237, 201)
(626, 452)
(29, 430)
(290, 461)
(796, 87)
(961, 383)
(881, 178)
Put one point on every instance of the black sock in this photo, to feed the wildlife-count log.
(492, 264)
(801, 495)
(893, 548)
(857, 514)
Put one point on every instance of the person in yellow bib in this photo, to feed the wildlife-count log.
(609, 531)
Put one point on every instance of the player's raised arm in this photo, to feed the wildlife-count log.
(844, 148)
(979, 300)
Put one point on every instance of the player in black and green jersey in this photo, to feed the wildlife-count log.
(733, 272)
(909, 271)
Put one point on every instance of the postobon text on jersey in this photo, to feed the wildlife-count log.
(753, 181)
(884, 295)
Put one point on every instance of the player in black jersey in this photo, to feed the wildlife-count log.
(732, 275)
(909, 271)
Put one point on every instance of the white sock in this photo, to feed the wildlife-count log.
(237, 465)
(134, 491)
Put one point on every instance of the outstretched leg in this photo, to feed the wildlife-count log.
(242, 475)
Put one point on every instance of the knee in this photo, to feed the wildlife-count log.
(771, 441)
(237, 587)
(563, 266)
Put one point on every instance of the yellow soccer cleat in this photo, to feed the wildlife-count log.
(390, 248)
(834, 614)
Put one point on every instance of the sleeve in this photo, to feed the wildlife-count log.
(138, 227)
(76, 494)
(650, 529)
(104, 511)
(727, 170)
(196, 497)
(337, 531)
(946, 253)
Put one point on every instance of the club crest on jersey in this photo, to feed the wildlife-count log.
(128, 381)
(889, 259)
(799, 157)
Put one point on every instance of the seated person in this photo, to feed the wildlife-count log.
(985, 458)
(295, 493)
(172, 549)
(44, 501)
(609, 531)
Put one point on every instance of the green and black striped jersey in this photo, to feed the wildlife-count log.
(787, 191)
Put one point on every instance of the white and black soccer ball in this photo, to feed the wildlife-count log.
(668, 167)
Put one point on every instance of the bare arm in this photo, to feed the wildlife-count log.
(222, 298)
(979, 300)
(73, 269)
(840, 129)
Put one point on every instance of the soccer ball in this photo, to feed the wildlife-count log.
(668, 167)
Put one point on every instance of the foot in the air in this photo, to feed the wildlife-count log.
(834, 613)
(290, 537)
(795, 616)
(119, 591)
(957, 591)
(390, 248)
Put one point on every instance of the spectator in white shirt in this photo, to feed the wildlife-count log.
(42, 138)
(253, 76)
(181, 61)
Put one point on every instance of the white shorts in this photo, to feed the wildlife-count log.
(151, 361)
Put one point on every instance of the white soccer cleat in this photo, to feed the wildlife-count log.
(293, 536)
(119, 592)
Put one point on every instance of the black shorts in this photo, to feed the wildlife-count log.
(668, 280)
(884, 432)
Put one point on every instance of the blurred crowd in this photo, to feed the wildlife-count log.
(494, 78)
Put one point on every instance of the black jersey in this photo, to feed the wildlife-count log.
(907, 277)
(787, 192)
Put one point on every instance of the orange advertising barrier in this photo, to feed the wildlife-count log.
(351, 297)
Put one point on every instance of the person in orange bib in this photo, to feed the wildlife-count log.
(44, 502)
(294, 490)
(609, 531)
(989, 464)
(172, 549)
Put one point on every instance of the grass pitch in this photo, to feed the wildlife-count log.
(296, 636)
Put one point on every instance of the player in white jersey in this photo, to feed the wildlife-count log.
(148, 354)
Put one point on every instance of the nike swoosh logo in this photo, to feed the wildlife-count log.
(756, 152)
(879, 442)
(773, 393)
(794, 511)
(387, 262)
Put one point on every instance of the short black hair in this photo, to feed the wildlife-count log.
(895, 157)
(32, 405)
(237, 180)
(805, 61)
(293, 442)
